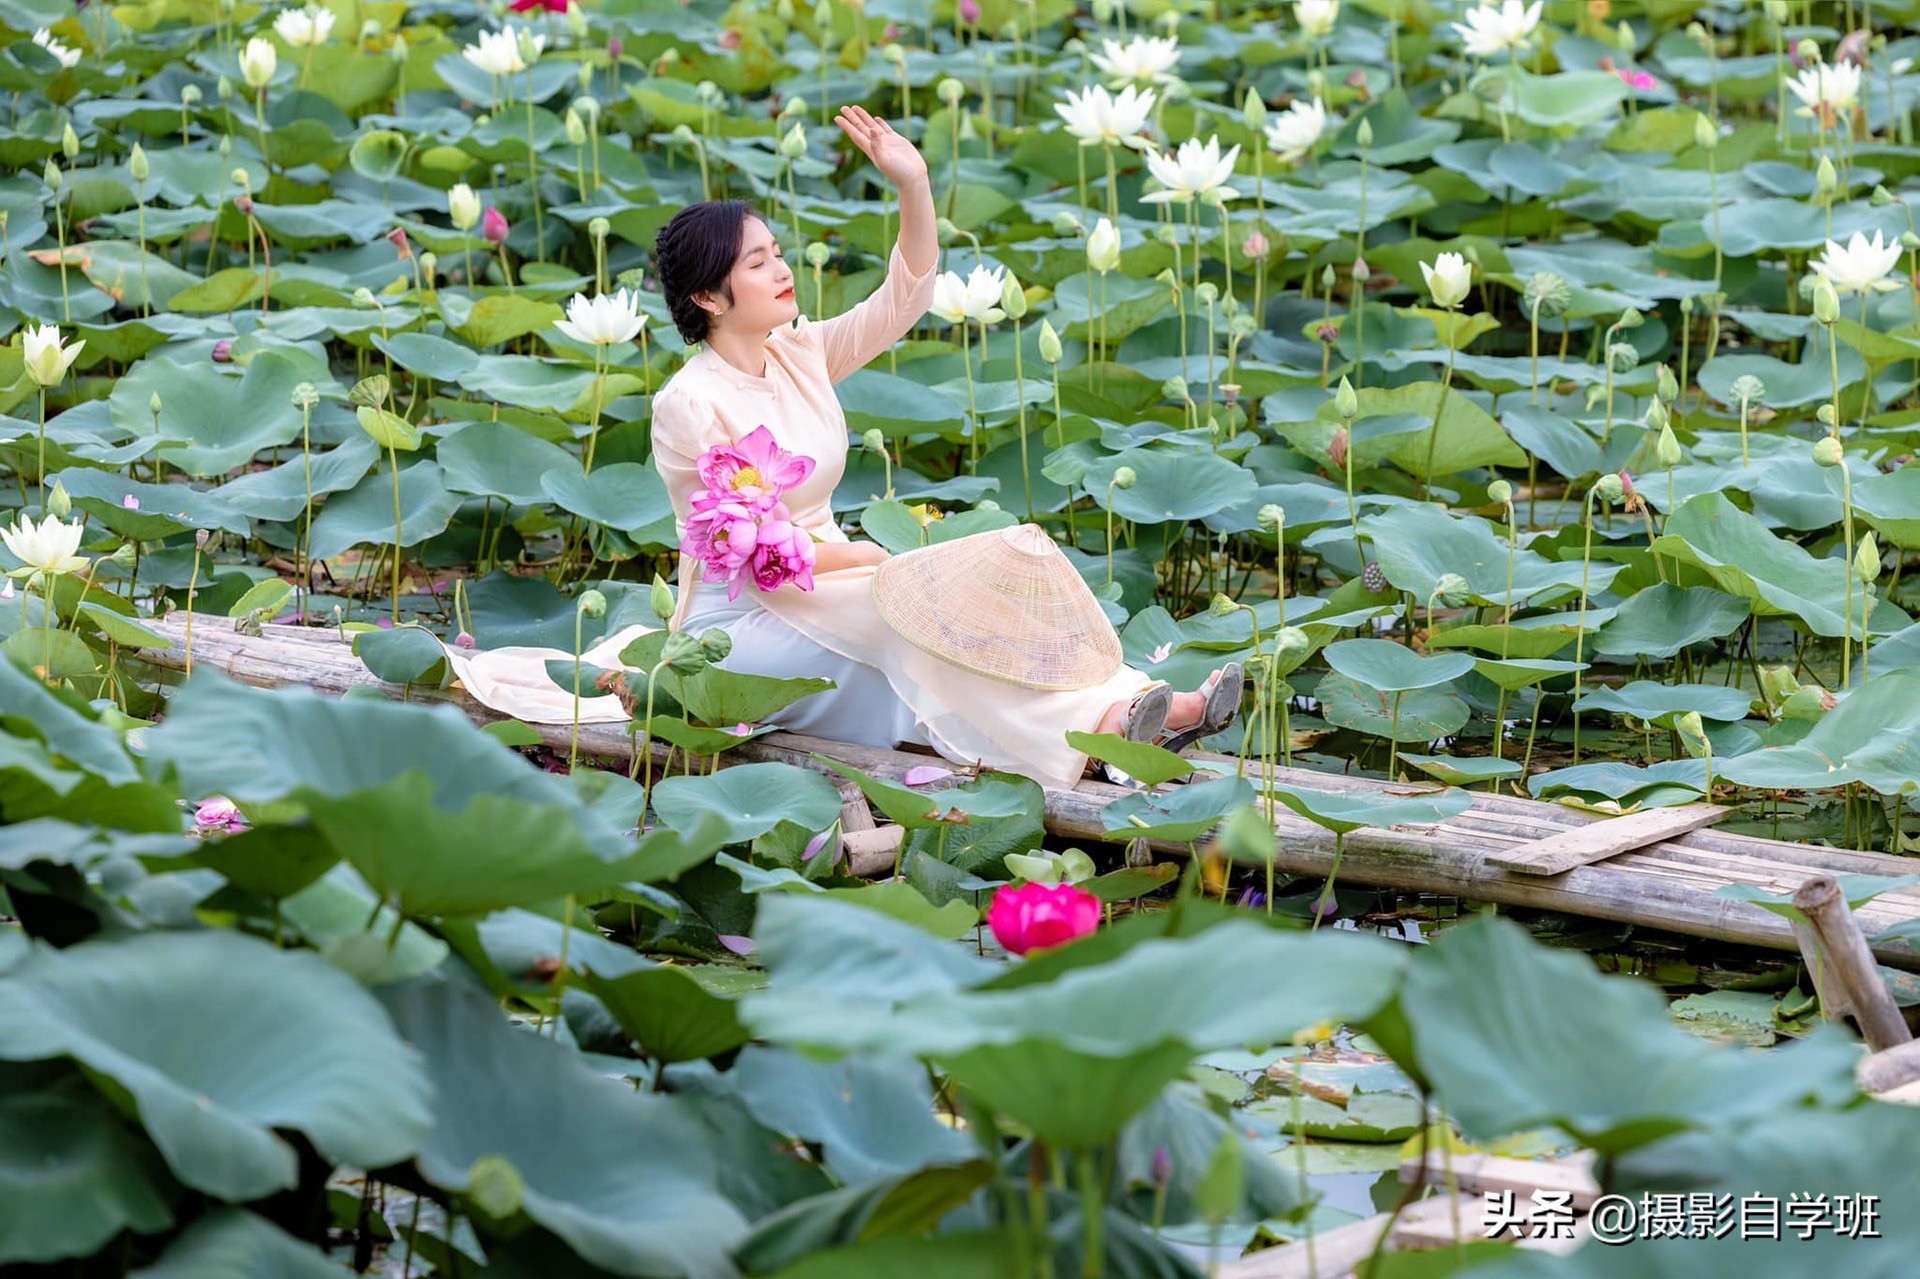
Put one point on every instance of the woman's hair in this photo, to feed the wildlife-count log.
(694, 253)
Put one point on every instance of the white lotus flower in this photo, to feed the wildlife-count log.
(1489, 30)
(1197, 169)
(1317, 17)
(47, 547)
(1099, 118)
(498, 52)
(1297, 130)
(1142, 60)
(66, 56)
(1827, 91)
(975, 298)
(1861, 266)
(257, 62)
(1448, 279)
(1103, 246)
(47, 357)
(302, 28)
(601, 321)
(463, 206)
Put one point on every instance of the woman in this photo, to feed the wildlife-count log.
(730, 289)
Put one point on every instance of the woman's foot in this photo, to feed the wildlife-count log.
(1207, 710)
(1187, 710)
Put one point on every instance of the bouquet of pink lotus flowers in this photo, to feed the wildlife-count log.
(740, 530)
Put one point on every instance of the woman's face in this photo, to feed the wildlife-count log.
(762, 283)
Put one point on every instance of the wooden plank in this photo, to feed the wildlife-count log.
(1478, 1218)
(1331, 1252)
(1488, 1174)
(1584, 845)
(1669, 886)
(1890, 1068)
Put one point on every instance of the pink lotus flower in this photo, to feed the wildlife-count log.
(783, 553)
(527, 6)
(493, 226)
(970, 12)
(1636, 79)
(756, 467)
(218, 814)
(722, 536)
(616, 48)
(223, 351)
(1035, 916)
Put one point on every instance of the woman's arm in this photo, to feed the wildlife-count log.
(849, 341)
(828, 556)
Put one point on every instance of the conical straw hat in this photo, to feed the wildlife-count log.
(1005, 604)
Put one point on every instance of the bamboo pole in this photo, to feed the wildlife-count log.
(1842, 956)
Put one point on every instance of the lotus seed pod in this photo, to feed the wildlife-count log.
(1825, 414)
(137, 166)
(1630, 319)
(1364, 134)
(1292, 639)
(896, 53)
(240, 179)
(599, 228)
(1451, 589)
(1610, 487)
(1908, 240)
(946, 230)
(363, 296)
(949, 90)
(1880, 197)
(1827, 451)
(684, 135)
(1013, 298)
(1373, 578)
(1500, 492)
(1243, 326)
(1748, 389)
(592, 604)
(1346, 402)
(1866, 559)
(684, 653)
(1174, 388)
(1271, 517)
(125, 555)
(1221, 605)
(873, 441)
(1623, 357)
(816, 253)
(1208, 292)
(1826, 302)
(1667, 448)
(305, 396)
(1166, 234)
(1546, 293)
(1125, 477)
(1705, 135)
(1049, 343)
(190, 95)
(715, 644)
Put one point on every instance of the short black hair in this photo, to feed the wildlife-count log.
(694, 253)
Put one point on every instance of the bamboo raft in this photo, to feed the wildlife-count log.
(1658, 869)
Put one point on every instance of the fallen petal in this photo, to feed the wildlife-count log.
(926, 775)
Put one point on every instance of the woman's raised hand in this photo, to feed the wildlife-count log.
(898, 160)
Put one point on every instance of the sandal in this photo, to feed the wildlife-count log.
(1145, 720)
(1224, 689)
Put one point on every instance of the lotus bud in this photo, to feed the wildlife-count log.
(660, 598)
(1125, 477)
(1686, 304)
(896, 54)
(1624, 40)
(684, 135)
(1693, 732)
(576, 21)
(1221, 605)
(1667, 386)
(1705, 135)
(1826, 180)
(1064, 223)
(1364, 134)
(1049, 343)
(816, 253)
(592, 604)
(1255, 247)
(1013, 298)
(399, 50)
(1610, 488)
(1451, 590)
(793, 144)
(1161, 1166)
(1242, 326)
(1881, 197)
(945, 230)
(1361, 271)
(1866, 560)
(576, 128)
(70, 142)
(1667, 447)
(190, 95)
(137, 166)
(1655, 418)
(223, 89)
(201, 536)
(493, 227)
(51, 174)
(873, 441)
(58, 502)
(949, 90)
(1271, 517)
(1809, 51)
(153, 402)
(1826, 303)
(1346, 402)
(823, 14)
(125, 556)
(223, 351)
(1500, 492)
(1777, 12)
(1624, 357)
(715, 644)
(529, 51)
(684, 653)
(1827, 451)
(1103, 246)
(1825, 414)
(1174, 388)
(1327, 278)
(363, 296)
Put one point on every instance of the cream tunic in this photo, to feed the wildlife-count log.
(833, 630)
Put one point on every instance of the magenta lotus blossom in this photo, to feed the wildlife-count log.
(1636, 79)
(1036, 916)
(722, 535)
(783, 553)
(970, 12)
(218, 814)
(756, 467)
(493, 226)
